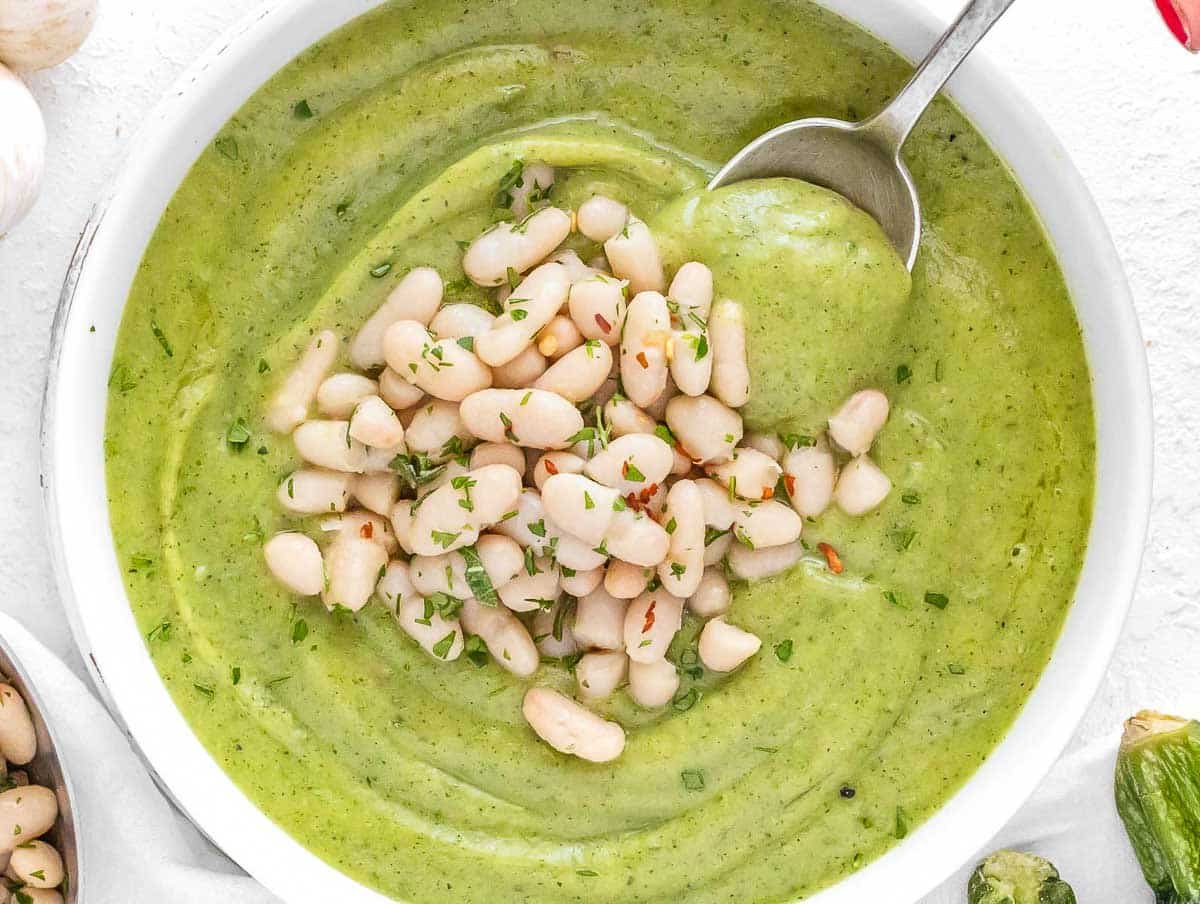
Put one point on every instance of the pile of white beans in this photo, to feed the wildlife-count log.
(33, 869)
(573, 471)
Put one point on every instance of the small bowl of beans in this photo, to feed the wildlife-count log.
(39, 857)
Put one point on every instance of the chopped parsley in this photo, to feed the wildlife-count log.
(783, 650)
(937, 600)
(693, 779)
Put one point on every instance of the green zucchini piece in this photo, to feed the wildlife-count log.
(1158, 797)
(1013, 877)
(477, 578)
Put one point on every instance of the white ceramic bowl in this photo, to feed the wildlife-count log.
(90, 577)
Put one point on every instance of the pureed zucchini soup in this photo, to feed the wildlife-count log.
(877, 691)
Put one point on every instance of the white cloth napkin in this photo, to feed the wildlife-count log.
(137, 848)
(140, 850)
(1072, 821)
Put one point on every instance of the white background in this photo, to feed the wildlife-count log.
(1123, 97)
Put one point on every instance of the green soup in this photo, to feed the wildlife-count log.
(877, 693)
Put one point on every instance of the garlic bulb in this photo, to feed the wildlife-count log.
(22, 149)
(37, 34)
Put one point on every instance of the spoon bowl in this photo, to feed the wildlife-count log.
(861, 161)
(842, 156)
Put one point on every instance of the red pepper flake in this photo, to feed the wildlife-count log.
(624, 469)
(832, 559)
(647, 493)
(632, 501)
(603, 324)
(551, 467)
(367, 531)
(641, 359)
(649, 616)
(790, 482)
(768, 492)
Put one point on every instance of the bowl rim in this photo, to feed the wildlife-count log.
(112, 647)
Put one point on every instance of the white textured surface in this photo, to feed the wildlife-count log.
(1122, 96)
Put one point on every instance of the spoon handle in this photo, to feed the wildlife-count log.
(891, 126)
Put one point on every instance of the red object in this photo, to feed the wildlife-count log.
(1183, 18)
(649, 617)
(832, 559)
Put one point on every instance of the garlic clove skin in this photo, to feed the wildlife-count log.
(22, 148)
(38, 34)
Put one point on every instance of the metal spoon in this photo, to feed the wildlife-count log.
(861, 160)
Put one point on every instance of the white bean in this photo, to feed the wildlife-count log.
(515, 246)
(810, 473)
(523, 370)
(38, 865)
(401, 521)
(352, 566)
(632, 462)
(439, 637)
(636, 538)
(558, 337)
(314, 491)
(18, 740)
(749, 474)
(533, 417)
(460, 321)
(644, 348)
(859, 420)
(295, 561)
(717, 549)
(767, 443)
(633, 255)
(600, 621)
(364, 525)
(680, 464)
(765, 524)
(623, 418)
(724, 647)
(580, 583)
(398, 392)
(436, 429)
(861, 487)
(578, 374)
(339, 395)
(691, 361)
(624, 580)
(597, 307)
(505, 636)
(651, 621)
(712, 596)
(377, 492)
(328, 444)
(443, 522)
(683, 567)
(731, 371)
(532, 305)
(450, 470)
(692, 289)
(583, 506)
(528, 525)
(569, 728)
(25, 814)
(416, 297)
(756, 564)
(533, 187)
(577, 270)
(375, 424)
(441, 367)
(600, 674)
(719, 510)
(289, 406)
(31, 895)
(552, 632)
(529, 592)
(658, 408)
(570, 551)
(556, 463)
(652, 684)
(601, 217)
(499, 454)
(707, 430)
(395, 587)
